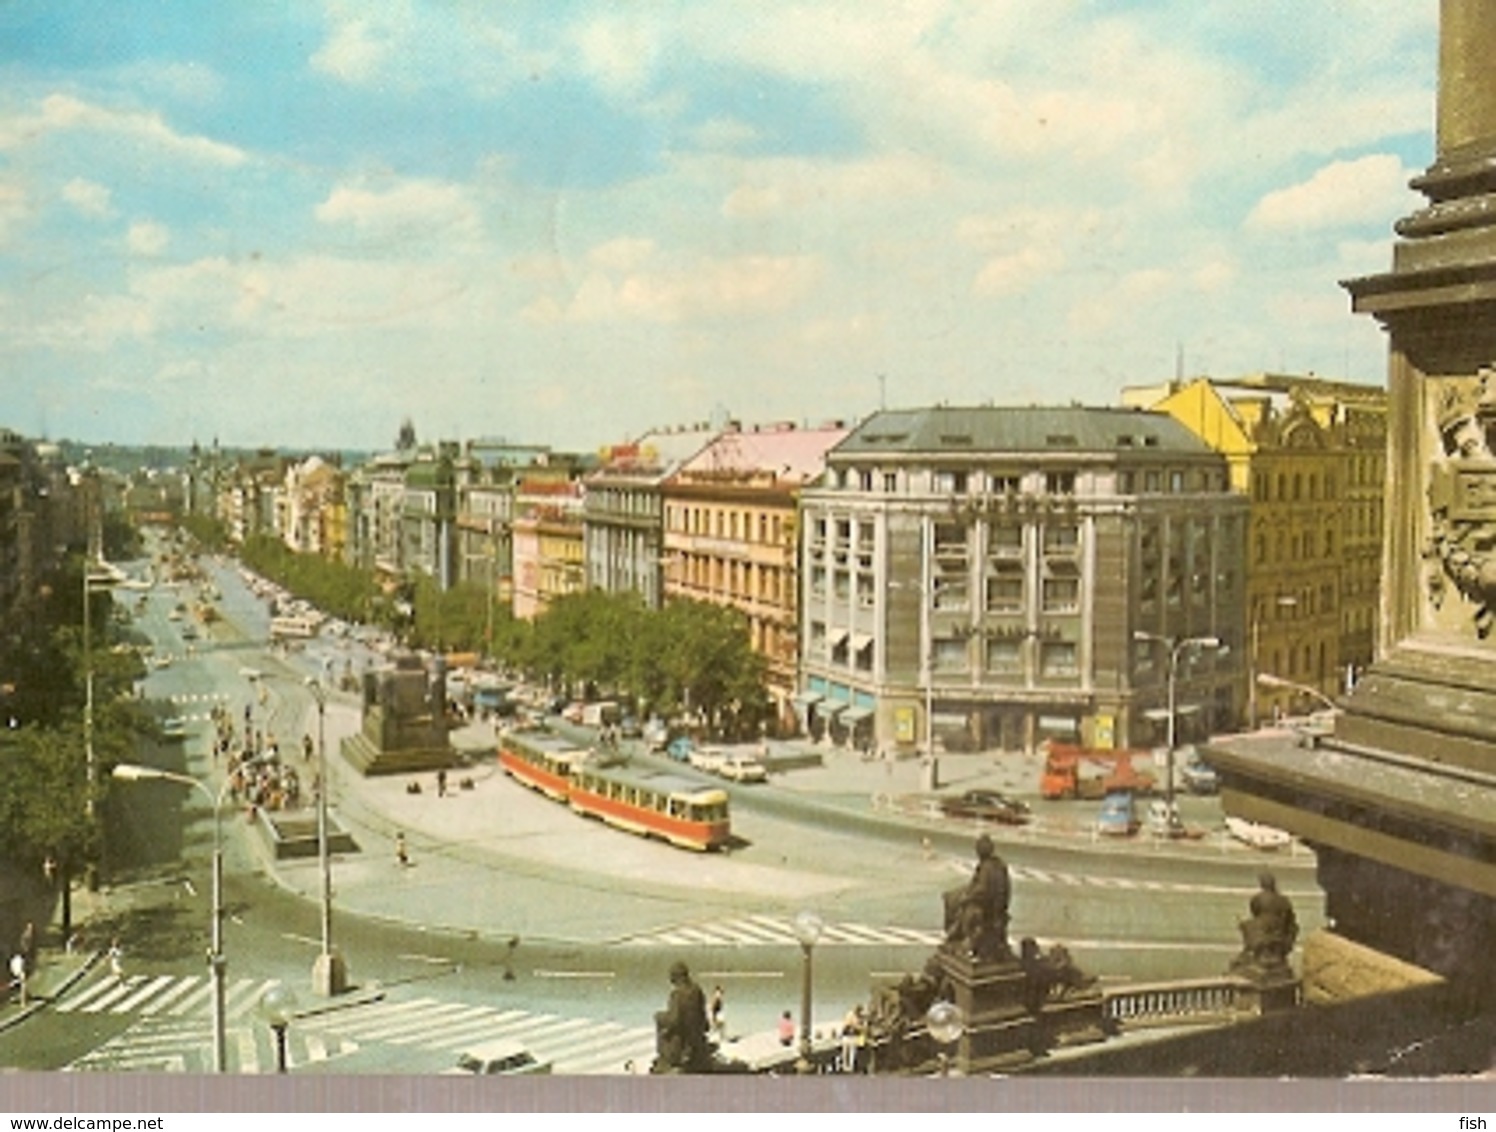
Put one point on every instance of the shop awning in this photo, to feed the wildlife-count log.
(856, 714)
(861, 641)
(805, 699)
(835, 637)
(833, 708)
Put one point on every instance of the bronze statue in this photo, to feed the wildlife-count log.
(976, 914)
(1269, 934)
(681, 1044)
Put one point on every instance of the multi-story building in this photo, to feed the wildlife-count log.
(376, 503)
(311, 508)
(730, 536)
(624, 512)
(547, 543)
(982, 578)
(428, 514)
(1310, 455)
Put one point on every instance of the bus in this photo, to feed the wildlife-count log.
(292, 626)
(675, 809)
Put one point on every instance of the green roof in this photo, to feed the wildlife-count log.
(947, 429)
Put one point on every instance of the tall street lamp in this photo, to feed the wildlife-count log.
(277, 1007)
(1268, 680)
(329, 973)
(1282, 601)
(808, 928)
(92, 583)
(1176, 648)
(129, 772)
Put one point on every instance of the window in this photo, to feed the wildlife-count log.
(951, 483)
(1061, 539)
(1060, 483)
(1004, 654)
(949, 653)
(1124, 483)
(1058, 658)
(1005, 593)
(1061, 595)
(1176, 482)
(1005, 540)
(951, 593)
(864, 480)
(1006, 484)
(1150, 482)
(890, 482)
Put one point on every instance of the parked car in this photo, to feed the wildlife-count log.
(986, 805)
(507, 1058)
(680, 748)
(1118, 816)
(629, 727)
(1199, 777)
(1163, 818)
(709, 759)
(656, 735)
(1258, 836)
(743, 766)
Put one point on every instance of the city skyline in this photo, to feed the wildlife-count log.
(571, 224)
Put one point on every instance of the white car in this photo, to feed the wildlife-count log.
(743, 766)
(1256, 835)
(498, 1058)
(709, 759)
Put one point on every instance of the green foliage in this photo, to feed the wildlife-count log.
(334, 587)
(210, 533)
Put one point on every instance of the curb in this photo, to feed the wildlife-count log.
(39, 1001)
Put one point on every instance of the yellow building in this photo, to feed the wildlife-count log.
(1310, 454)
(730, 536)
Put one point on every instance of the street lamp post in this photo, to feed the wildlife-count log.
(946, 1024)
(277, 1007)
(1176, 648)
(217, 964)
(1268, 680)
(808, 927)
(329, 974)
(1282, 601)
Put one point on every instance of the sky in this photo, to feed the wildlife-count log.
(567, 222)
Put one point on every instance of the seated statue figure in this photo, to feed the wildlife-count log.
(976, 914)
(1269, 933)
(681, 1044)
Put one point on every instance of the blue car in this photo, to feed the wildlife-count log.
(680, 748)
(1118, 816)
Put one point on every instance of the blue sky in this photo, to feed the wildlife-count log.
(566, 223)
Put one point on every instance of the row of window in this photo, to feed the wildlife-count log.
(713, 521)
(1150, 481)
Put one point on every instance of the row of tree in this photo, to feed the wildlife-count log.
(689, 658)
(48, 803)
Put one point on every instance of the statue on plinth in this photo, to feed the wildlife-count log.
(681, 1044)
(1269, 933)
(976, 914)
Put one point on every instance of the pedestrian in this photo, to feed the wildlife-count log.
(441, 783)
(116, 956)
(18, 975)
(718, 1000)
(27, 946)
(854, 1028)
(402, 855)
(786, 1029)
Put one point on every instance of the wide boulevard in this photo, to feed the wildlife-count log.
(516, 918)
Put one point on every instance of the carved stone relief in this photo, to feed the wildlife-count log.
(1461, 547)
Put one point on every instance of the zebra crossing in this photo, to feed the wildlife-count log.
(159, 1044)
(172, 1031)
(780, 931)
(190, 700)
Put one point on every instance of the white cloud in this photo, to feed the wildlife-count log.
(1342, 194)
(1017, 271)
(147, 238)
(64, 112)
(411, 208)
(14, 208)
(618, 51)
(88, 197)
(353, 52)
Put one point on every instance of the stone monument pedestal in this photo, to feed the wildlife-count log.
(993, 997)
(404, 727)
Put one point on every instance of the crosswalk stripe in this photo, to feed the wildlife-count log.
(855, 933)
(249, 1051)
(636, 1045)
(395, 1021)
(467, 1033)
(439, 1018)
(758, 930)
(111, 994)
(180, 987)
(244, 996)
(198, 997)
(735, 932)
(144, 992)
